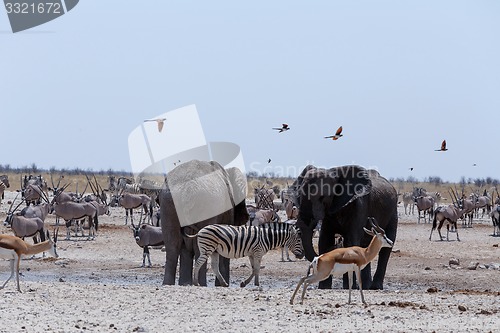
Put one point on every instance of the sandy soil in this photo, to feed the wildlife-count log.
(99, 286)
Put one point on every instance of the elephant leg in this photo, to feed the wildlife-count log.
(366, 277)
(216, 268)
(383, 258)
(171, 260)
(326, 243)
(224, 270)
(186, 267)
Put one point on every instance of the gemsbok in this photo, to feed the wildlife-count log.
(449, 214)
(132, 201)
(345, 260)
(425, 204)
(12, 248)
(145, 236)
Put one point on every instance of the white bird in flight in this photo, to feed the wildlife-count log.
(160, 122)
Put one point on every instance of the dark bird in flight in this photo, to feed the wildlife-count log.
(283, 128)
(337, 135)
(443, 146)
(411, 169)
(160, 122)
(474, 164)
(269, 161)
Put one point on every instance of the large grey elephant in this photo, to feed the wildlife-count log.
(197, 194)
(343, 198)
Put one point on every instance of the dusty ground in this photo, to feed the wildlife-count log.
(99, 286)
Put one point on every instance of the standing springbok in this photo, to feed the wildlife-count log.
(12, 248)
(345, 260)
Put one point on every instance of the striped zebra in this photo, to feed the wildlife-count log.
(4, 183)
(236, 242)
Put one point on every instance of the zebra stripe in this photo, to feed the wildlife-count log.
(237, 242)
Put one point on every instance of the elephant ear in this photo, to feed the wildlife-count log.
(349, 183)
(297, 186)
(238, 183)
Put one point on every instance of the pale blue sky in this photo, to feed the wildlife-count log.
(399, 76)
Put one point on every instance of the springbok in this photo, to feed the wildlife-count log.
(345, 260)
(12, 248)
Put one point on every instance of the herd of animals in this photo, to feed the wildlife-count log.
(201, 211)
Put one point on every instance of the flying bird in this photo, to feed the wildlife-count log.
(283, 128)
(443, 146)
(269, 161)
(337, 135)
(474, 164)
(160, 122)
(411, 169)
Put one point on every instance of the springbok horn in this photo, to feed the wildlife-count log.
(375, 225)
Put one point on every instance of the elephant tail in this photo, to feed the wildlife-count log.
(183, 230)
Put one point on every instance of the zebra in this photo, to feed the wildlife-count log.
(236, 242)
(4, 183)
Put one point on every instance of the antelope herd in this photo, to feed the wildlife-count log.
(78, 209)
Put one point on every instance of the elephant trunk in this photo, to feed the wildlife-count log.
(306, 233)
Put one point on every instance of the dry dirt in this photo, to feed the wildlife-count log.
(99, 286)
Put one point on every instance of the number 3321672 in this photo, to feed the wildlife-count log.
(32, 8)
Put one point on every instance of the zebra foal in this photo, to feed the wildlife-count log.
(237, 242)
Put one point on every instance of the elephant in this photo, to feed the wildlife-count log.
(197, 194)
(343, 198)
